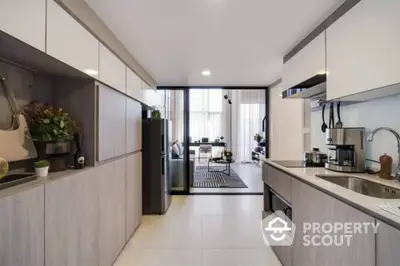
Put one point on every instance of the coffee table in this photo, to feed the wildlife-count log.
(226, 170)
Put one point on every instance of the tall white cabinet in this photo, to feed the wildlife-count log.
(134, 85)
(363, 48)
(25, 20)
(133, 192)
(70, 42)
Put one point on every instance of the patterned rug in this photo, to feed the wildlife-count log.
(205, 179)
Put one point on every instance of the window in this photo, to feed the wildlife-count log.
(206, 113)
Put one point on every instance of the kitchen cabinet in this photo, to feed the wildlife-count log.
(307, 63)
(71, 219)
(150, 96)
(133, 125)
(312, 205)
(133, 193)
(111, 230)
(363, 48)
(111, 122)
(280, 182)
(25, 20)
(133, 85)
(22, 228)
(111, 70)
(387, 245)
(70, 42)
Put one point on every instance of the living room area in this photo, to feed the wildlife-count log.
(218, 139)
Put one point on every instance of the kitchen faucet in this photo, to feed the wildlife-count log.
(371, 137)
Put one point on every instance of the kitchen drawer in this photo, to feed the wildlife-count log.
(280, 182)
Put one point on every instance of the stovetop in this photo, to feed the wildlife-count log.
(298, 164)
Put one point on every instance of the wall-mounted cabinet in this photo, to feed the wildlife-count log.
(133, 85)
(133, 125)
(363, 48)
(25, 20)
(111, 123)
(307, 63)
(70, 42)
(111, 70)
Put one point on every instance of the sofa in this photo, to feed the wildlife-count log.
(178, 166)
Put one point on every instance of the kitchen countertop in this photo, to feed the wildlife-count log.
(53, 176)
(364, 203)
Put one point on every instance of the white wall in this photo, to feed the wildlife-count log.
(286, 126)
(384, 112)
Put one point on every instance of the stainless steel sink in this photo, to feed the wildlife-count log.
(363, 186)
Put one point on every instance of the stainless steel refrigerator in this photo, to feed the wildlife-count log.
(156, 184)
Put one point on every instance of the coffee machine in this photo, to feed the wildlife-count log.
(346, 149)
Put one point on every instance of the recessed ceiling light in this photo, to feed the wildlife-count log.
(90, 72)
(206, 72)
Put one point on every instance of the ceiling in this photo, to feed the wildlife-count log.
(241, 41)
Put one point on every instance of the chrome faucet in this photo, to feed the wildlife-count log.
(371, 137)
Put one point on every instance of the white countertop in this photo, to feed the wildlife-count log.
(362, 202)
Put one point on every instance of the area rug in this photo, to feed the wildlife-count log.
(205, 179)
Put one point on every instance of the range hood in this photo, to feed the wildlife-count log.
(314, 87)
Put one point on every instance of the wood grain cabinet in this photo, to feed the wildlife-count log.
(280, 182)
(71, 220)
(70, 42)
(363, 48)
(22, 228)
(387, 245)
(133, 125)
(133, 193)
(111, 70)
(111, 123)
(312, 205)
(112, 228)
(133, 85)
(25, 20)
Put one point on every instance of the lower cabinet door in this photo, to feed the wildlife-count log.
(112, 227)
(387, 245)
(22, 228)
(133, 193)
(71, 220)
(311, 206)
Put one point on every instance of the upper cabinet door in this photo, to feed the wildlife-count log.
(307, 63)
(112, 70)
(70, 42)
(363, 48)
(25, 20)
(134, 85)
(111, 123)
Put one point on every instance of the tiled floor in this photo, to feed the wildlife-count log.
(201, 231)
(249, 173)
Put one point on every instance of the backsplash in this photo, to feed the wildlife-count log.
(26, 85)
(383, 112)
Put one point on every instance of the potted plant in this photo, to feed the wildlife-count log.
(52, 128)
(258, 138)
(155, 115)
(228, 154)
(42, 168)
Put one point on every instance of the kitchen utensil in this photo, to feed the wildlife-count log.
(331, 116)
(339, 123)
(315, 157)
(324, 126)
(16, 142)
(386, 167)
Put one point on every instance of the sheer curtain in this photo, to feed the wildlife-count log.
(248, 113)
(207, 116)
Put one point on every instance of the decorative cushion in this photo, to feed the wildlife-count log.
(175, 151)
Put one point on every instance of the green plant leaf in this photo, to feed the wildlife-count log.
(62, 124)
(46, 121)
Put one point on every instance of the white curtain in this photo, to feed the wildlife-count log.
(176, 98)
(248, 113)
(207, 115)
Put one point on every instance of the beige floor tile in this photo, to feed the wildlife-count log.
(201, 231)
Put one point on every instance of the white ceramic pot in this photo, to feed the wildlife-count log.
(42, 172)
